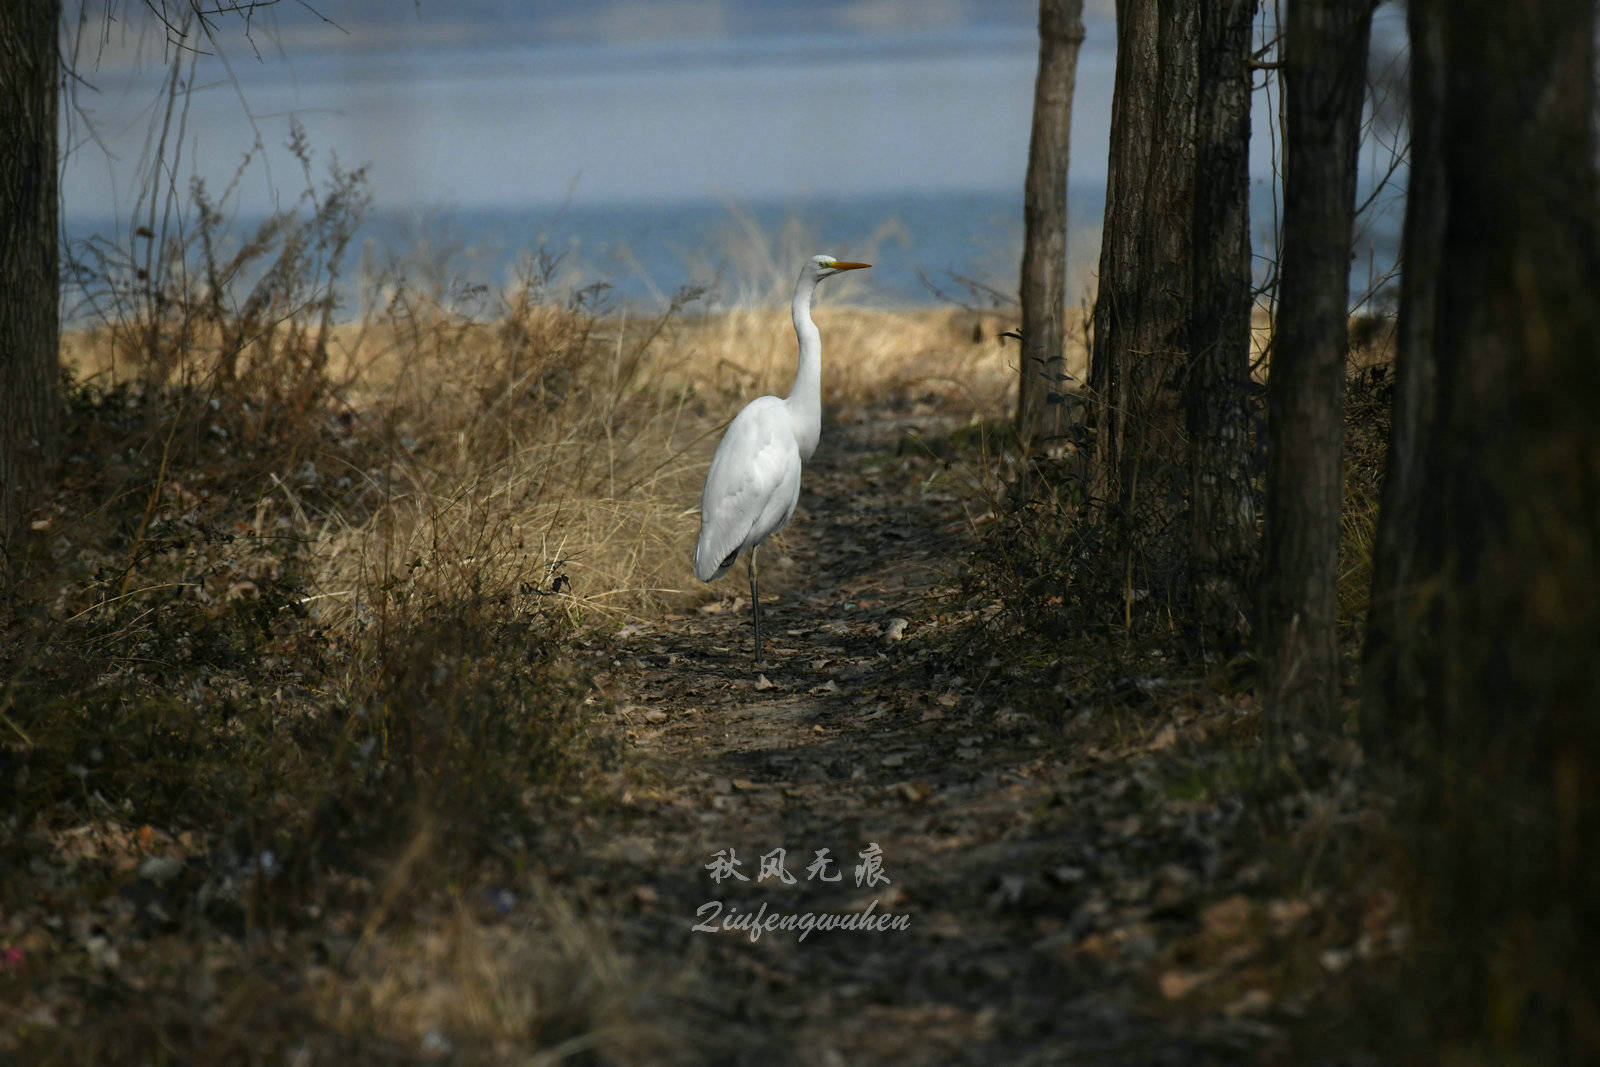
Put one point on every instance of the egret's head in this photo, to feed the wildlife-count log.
(826, 267)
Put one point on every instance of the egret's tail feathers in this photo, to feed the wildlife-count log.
(707, 567)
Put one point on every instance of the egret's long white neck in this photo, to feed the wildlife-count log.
(805, 399)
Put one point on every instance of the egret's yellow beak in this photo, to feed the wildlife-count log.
(840, 264)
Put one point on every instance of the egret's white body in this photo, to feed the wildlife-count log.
(754, 481)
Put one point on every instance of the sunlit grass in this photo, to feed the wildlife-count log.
(312, 586)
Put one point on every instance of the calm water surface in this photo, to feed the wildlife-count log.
(647, 166)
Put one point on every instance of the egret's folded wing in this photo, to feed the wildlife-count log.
(751, 488)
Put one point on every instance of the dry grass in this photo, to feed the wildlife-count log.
(311, 591)
(505, 453)
(291, 715)
(474, 985)
(951, 358)
(299, 625)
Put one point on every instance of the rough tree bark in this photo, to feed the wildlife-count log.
(1504, 551)
(1389, 671)
(1325, 61)
(1141, 314)
(29, 256)
(1222, 522)
(1042, 384)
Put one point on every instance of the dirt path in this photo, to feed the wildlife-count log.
(1038, 897)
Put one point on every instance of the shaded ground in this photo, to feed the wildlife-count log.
(1098, 897)
(1081, 866)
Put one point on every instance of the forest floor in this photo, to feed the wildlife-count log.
(1094, 892)
(237, 831)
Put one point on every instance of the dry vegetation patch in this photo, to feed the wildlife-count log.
(288, 691)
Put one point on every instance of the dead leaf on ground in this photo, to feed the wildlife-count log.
(1285, 912)
(1251, 1002)
(1065, 874)
(1095, 947)
(1128, 827)
(913, 792)
(1008, 893)
(888, 898)
(1228, 920)
(1175, 985)
(1378, 911)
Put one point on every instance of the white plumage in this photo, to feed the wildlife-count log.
(754, 480)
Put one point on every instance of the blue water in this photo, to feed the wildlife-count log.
(926, 248)
(716, 157)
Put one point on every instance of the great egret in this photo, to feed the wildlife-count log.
(754, 481)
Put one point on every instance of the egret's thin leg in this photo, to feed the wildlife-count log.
(755, 601)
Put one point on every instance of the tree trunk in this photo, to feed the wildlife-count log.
(1324, 71)
(1042, 385)
(1505, 548)
(29, 255)
(1132, 143)
(1141, 315)
(1222, 522)
(1389, 669)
